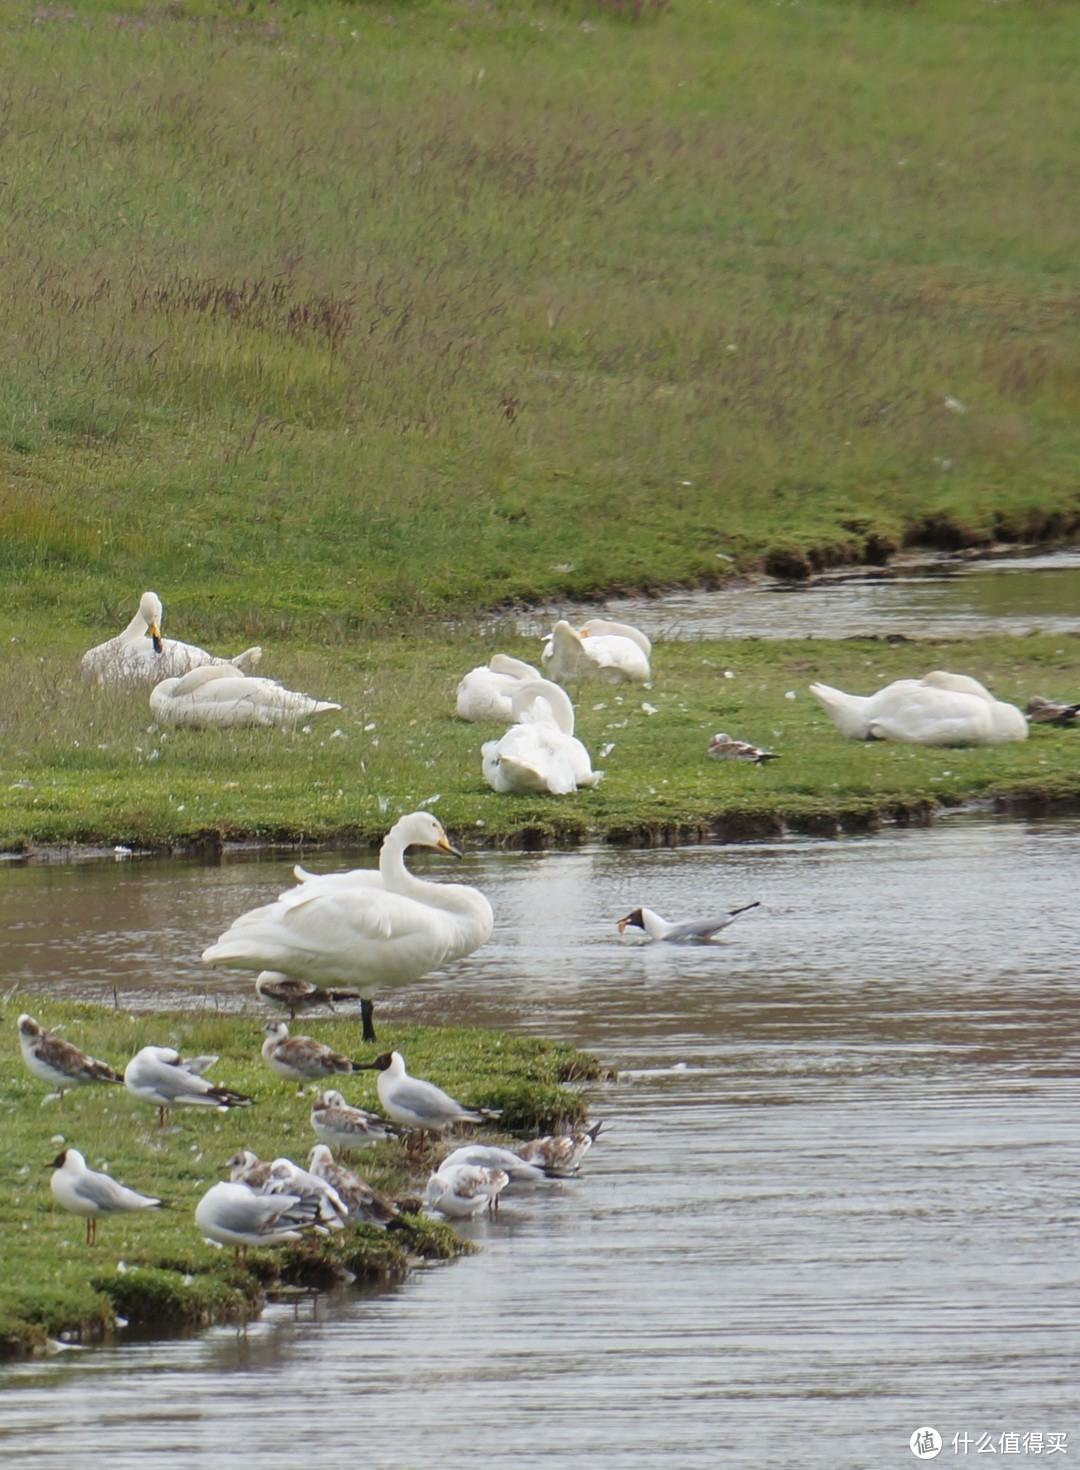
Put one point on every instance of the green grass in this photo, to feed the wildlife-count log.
(320, 317)
(154, 1269)
(81, 767)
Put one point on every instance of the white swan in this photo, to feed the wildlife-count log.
(363, 929)
(540, 753)
(220, 696)
(614, 652)
(939, 709)
(139, 655)
(485, 693)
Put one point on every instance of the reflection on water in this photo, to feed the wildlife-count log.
(968, 600)
(835, 1199)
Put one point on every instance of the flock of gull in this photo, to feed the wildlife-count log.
(341, 937)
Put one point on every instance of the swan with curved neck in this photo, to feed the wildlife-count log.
(485, 693)
(362, 929)
(539, 753)
(140, 655)
(939, 709)
(570, 657)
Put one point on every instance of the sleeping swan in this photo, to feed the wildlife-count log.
(615, 652)
(219, 696)
(139, 655)
(363, 929)
(939, 709)
(539, 753)
(484, 694)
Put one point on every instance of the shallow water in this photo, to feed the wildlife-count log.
(834, 1201)
(950, 600)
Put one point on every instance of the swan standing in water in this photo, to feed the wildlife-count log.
(485, 694)
(614, 652)
(540, 753)
(221, 696)
(939, 709)
(139, 655)
(363, 929)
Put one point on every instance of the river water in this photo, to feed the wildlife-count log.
(944, 598)
(834, 1202)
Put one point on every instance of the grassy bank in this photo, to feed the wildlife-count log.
(154, 1270)
(319, 317)
(85, 768)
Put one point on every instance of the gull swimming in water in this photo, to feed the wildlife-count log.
(688, 931)
(364, 1204)
(418, 1105)
(362, 928)
(233, 1214)
(1042, 711)
(301, 1058)
(459, 1191)
(222, 697)
(341, 1126)
(139, 655)
(723, 748)
(58, 1062)
(938, 709)
(84, 1191)
(298, 995)
(485, 694)
(560, 1154)
(160, 1076)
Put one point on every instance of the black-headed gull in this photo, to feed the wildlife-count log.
(58, 1062)
(459, 1191)
(723, 748)
(686, 931)
(418, 1105)
(339, 1125)
(159, 1075)
(84, 1191)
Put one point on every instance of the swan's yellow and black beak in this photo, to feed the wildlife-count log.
(445, 845)
(154, 634)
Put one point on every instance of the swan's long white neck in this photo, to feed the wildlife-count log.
(559, 702)
(455, 898)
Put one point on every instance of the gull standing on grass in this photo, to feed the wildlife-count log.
(160, 1076)
(689, 931)
(301, 1058)
(339, 1125)
(417, 1105)
(298, 995)
(282, 1176)
(84, 1191)
(363, 929)
(57, 1062)
(365, 1205)
(233, 1214)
